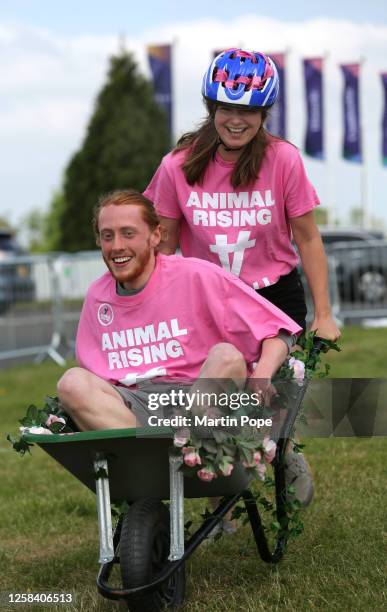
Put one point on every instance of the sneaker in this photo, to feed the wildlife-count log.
(298, 474)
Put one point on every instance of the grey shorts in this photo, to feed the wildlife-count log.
(138, 398)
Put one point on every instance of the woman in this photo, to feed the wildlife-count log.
(235, 195)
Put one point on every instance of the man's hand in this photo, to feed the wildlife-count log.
(264, 389)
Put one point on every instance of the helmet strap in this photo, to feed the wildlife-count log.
(226, 148)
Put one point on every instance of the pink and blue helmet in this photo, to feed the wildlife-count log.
(241, 77)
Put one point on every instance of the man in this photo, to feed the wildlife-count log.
(153, 318)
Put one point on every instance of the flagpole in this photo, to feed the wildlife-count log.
(174, 44)
(364, 170)
(329, 165)
(287, 52)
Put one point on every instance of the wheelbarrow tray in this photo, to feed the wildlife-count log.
(138, 463)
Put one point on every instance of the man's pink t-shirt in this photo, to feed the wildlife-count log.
(246, 231)
(167, 329)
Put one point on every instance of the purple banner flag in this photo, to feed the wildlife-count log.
(351, 109)
(384, 122)
(314, 137)
(276, 121)
(160, 60)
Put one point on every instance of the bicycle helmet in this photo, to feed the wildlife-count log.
(241, 77)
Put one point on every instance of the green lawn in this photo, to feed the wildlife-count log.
(48, 524)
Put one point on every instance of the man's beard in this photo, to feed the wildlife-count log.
(136, 267)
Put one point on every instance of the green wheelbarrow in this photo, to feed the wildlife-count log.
(137, 466)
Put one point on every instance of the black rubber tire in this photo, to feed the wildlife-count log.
(144, 548)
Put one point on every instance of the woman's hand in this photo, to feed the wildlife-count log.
(325, 327)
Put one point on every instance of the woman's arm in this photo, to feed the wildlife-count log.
(170, 235)
(314, 263)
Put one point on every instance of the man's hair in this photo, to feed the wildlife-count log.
(129, 197)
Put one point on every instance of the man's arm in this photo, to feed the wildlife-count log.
(273, 354)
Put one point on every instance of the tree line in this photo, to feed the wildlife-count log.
(125, 139)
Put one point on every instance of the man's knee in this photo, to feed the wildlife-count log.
(227, 357)
(73, 386)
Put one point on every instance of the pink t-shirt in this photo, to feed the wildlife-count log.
(246, 231)
(167, 329)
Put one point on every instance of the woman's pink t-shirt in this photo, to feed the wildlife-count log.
(246, 231)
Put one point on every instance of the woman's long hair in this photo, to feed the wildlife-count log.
(203, 143)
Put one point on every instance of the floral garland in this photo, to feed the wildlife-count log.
(50, 419)
(216, 456)
(208, 458)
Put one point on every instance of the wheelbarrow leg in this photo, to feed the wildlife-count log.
(176, 508)
(106, 548)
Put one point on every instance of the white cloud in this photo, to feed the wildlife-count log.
(49, 83)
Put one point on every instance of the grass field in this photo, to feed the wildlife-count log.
(48, 524)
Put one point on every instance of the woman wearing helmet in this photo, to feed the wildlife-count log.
(234, 195)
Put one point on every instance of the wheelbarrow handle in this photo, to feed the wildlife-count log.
(319, 346)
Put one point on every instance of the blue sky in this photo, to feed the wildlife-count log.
(54, 57)
(99, 17)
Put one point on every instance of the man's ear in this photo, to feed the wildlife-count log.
(97, 241)
(155, 237)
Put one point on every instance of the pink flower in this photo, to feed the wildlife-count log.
(207, 474)
(35, 430)
(226, 469)
(180, 440)
(269, 449)
(191, 456)
(52, 418)
(261, 470)
(256, 458)
(298, 368)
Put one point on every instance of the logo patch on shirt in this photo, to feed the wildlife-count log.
(105, 314)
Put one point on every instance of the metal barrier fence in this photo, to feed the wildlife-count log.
(40, 301)
(361, 279)
(41, 297)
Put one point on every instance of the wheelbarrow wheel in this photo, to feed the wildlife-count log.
(144, 549)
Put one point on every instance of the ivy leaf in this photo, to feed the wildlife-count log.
(52, 404)
(210, 446)
(275, 526)
(269, 482)
(297, 447)
(220, 436)
(187, 529)
(32, 413)
(57, 427)
(19, 445)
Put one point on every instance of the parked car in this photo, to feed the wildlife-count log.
(361, 263)
(16, 282)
